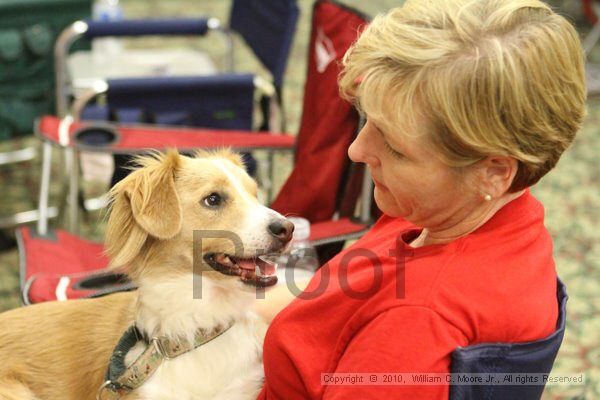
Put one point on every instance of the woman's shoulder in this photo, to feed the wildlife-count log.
(500, 286)
(497, 284)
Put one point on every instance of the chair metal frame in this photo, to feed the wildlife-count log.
(64, 91)
(94, 29)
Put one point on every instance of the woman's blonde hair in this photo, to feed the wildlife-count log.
(493, 77)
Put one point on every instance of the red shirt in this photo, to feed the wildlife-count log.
(383, 306)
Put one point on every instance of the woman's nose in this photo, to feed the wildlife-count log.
(361, 150)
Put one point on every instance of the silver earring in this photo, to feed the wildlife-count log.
(487, 197)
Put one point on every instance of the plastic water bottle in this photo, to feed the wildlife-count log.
(105, 48)
(301, 254)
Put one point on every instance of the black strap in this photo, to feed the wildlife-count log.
(116, 366)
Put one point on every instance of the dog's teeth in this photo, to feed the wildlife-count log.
(258, 272)
(224, 260)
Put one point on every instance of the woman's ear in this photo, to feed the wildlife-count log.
(496, 175)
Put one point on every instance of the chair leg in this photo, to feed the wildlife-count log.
(366, 197)
(73, 168)
(42, 225)
(17, 156)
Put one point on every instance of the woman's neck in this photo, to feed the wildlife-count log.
(471, 222)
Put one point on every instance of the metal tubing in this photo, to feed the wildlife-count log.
(71, 158)
(61, 52)
(17, 156)
(229, 49)
(72, 155)
(366, 196)
(99, 87)
(42, 225)
(26, 217)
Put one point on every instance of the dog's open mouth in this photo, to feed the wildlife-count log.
(253, 270)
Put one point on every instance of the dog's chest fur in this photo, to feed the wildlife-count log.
(228, 367)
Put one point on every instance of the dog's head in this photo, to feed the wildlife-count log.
(157, 208)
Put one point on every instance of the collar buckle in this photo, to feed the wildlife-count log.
(107, 392)
(160, 347)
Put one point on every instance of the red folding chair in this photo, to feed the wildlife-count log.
(324, 186)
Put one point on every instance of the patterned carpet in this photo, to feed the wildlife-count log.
(571, 195)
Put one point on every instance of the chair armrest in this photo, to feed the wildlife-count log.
(122, 138)
(336, 231)
(146, 27)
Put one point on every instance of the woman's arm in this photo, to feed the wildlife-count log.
(276, 299)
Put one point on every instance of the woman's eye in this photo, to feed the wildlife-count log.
(392, 151)
(389, 148)
(213, 200)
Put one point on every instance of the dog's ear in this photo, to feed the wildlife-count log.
(154, 200)
(144, 204)
(124, 238)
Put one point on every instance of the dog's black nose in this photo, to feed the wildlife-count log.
(282, 229)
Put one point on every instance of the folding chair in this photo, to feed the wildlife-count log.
(324, 186)
(266, 26)
(535, 357)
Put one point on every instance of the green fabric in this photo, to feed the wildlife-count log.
(28, 30)
(10, 45)
(38, 38)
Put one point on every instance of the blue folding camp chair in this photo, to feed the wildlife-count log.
(223, 101)
(266, 26)
(535, 357)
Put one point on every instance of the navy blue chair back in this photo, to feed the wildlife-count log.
(223, 101)
(532, 357)
(268, 28)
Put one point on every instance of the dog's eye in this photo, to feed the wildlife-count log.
(213, 200)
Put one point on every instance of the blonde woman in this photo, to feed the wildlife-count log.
(468, 104)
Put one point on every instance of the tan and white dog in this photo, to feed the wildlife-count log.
(61, 350)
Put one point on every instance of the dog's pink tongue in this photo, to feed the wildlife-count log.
(246, 263)
(250, 264)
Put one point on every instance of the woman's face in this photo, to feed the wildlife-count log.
(410, 181)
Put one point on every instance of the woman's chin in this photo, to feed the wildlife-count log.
(387, 206)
